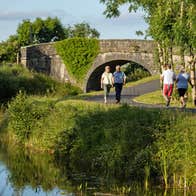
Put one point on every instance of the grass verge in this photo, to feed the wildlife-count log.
(120, 141)
(156, 98)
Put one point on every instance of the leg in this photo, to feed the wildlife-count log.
(117, 89)
(120, 91)
(169, 95)
(182, 93)
(108, 92)
(105, 93)
(165, 94)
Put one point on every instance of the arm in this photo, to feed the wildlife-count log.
(102, 78)
(161, 77)
(125, 79)
(189, 80)
(113, 81)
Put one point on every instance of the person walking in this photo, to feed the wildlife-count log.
(163, 68)
(106, 82)
(182, 81)
(119, 79)
(168, 77)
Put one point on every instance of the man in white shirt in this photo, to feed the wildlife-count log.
(168, 77)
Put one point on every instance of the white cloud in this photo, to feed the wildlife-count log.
(20, 15)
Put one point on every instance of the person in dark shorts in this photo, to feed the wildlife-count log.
(119, 78)
(182, 81)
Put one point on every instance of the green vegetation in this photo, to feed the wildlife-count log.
(82, 30)
(143, 80)
(78, 55)
(17, 78)
(133, 144)
(134, 72)
(156, 98)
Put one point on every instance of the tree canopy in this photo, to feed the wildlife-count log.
(42, 31)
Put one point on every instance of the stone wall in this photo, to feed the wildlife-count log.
(127, 46)
(44, 58)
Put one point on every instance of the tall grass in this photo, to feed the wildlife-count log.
(142, 145)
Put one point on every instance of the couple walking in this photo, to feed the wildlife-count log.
(108, 80)
(168, 77)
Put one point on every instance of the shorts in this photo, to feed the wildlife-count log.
(168, 89)
(182, 91)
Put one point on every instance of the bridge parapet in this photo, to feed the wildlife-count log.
(127, 46)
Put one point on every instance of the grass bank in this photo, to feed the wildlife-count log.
(156, 98)
(143, 145)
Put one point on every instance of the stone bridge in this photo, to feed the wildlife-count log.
(44, 58)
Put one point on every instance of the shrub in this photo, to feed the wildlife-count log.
(78, 55)
(25, 115)
(16, 78)
(134, 72)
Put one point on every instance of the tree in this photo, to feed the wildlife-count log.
(40, 31)
(25, 33)
(9, 49)
(83, 30)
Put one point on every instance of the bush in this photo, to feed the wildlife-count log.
(17, 78)
(25, 115)
(135, 72)
(78, 55)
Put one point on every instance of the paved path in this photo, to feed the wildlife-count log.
(129, 93)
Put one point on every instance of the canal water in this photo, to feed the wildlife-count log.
(26, 174)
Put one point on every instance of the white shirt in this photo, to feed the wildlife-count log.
(107, 78)
(168, 76)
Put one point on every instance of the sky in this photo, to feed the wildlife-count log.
(70, 12)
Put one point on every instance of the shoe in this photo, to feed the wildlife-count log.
(184, 106)
(167, 103)
(117, 101)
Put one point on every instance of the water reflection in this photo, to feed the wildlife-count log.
(24, 173)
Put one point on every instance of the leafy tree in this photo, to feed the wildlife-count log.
(25, 33)
(9, 49)
(40, 31)
(83, 30)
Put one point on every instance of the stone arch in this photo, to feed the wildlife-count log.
(92, 80)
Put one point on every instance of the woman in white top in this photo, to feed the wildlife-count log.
(106, 82)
